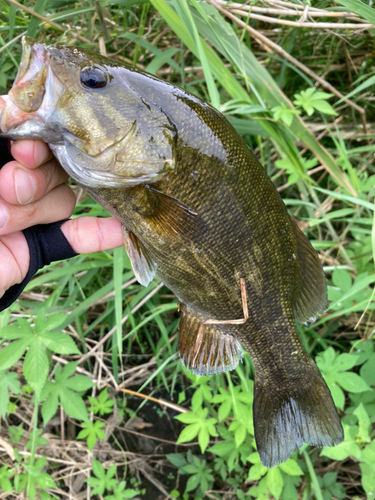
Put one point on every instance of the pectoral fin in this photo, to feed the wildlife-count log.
(215, 352)
(143, 266)
(312, 298)
(174, 217)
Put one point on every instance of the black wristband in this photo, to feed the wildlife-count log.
(47, 243)
(5, 155)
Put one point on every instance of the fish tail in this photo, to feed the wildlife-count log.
(290, 411)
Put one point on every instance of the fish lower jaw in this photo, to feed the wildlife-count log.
(30, 129)
(97, 178)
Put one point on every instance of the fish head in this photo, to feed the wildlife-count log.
(104, 133)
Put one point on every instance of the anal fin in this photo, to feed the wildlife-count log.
(143, 266)
(208, 354)
(312, 297)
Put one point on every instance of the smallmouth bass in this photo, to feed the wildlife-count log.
(198, 210)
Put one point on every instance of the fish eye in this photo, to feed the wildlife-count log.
(93, 78)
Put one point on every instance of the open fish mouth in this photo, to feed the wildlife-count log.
(29, 86)
(33, 98)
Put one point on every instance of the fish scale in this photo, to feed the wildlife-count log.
(198, 209)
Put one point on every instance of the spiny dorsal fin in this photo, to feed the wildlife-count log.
(216, 352)
(143, 266)
(174, 217)
(312, 297)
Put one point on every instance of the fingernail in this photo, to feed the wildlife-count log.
(4, 216)
(25, 186)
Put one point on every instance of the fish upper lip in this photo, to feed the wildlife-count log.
(35, 67)
(29, 86)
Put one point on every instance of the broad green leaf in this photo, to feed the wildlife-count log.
(329, 479)
(62, 373)
(189, 433)
(337, 393)
(367, 371)
(49, 408)
(8, 382)
(342, 279)
(324, 107)
(22, 330)
(128, 493)
(188, 417)
(368, 480)
(78, 383)
(10, 354)
(225, 409)
(47, 323)
(311, 99)
(192, 483)
(364, 423)
(351, 382)
(291, 467)
(73, 405)
(240, 435)
(342, 451)
(326, 359)
(275, 482)
(344, 362)
(290, 492)
(368, 454)
(203, 439)
(98, 468)
(222, 448)
(176, 459)
(6, 485)
(284, 114)
(256, 472)
(45, 481)
(59, 342)
(35, 366)
(92, 432)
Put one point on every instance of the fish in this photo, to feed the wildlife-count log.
(197, 210)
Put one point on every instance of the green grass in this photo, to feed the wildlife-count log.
(321, 157)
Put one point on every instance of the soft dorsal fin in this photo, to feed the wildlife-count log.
(312, 297)
(143, 266)
(216, 351)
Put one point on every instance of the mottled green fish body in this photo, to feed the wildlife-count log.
(198, 210)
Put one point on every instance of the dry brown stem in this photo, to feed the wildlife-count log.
(161, 402)
(303, 24)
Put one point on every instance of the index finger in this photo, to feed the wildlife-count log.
(31, 154)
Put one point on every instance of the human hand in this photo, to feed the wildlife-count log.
(33, 191)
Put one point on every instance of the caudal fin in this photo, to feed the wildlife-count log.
(287, 414)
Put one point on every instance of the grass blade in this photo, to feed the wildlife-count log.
(118, 255)
(359, 8)
(39, 7)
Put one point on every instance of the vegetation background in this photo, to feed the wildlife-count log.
(94, 402)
